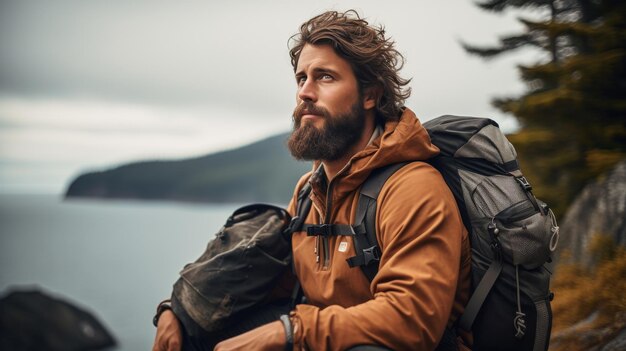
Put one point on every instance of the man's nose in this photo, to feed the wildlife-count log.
(307, 92)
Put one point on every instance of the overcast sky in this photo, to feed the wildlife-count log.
(86, 85)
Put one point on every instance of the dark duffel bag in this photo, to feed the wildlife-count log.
(237, 271)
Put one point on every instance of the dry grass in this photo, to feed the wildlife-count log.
(590, 304)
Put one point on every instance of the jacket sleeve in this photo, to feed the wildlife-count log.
(420, 231)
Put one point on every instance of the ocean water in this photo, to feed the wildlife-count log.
(117, 259)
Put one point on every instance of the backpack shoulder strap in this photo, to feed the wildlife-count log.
(365, 241)
(303, 206)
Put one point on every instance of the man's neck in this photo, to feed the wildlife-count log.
(331, 168)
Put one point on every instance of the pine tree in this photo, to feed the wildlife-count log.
(573, 114)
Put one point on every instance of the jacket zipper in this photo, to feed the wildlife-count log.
(326, 239)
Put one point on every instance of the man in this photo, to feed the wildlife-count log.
(349, 119)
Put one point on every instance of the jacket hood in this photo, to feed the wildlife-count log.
(401, 141)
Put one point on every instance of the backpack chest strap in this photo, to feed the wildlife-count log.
(332, 229)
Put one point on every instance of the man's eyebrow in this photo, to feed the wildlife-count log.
(319, 70)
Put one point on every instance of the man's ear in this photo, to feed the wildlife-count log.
(370, 97)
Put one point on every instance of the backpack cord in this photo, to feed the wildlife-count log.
(519, 322)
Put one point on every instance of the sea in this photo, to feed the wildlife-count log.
(116, 259)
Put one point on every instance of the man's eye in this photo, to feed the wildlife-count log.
(300, 80)
(326, 77)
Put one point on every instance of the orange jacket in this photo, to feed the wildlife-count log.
(424, 276)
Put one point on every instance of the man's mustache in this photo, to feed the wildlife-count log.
(307, 107)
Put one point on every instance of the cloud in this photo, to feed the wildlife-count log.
(65, 138)
(148, 52)
(219, 53)
(88, 84)
(174, 131)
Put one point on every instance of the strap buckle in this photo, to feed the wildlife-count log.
(365, 257)
(496, 248)
(524, 183)
(320, 229)
(371, 254)
(291, 227)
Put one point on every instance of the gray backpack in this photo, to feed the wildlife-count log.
(513, 235)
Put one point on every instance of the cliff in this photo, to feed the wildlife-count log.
(599, 209)
(589, 307)
(260, 172)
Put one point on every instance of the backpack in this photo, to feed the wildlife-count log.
(512, 233)
(237, 271)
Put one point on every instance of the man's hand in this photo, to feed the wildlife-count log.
(269, 337)
(169, 333)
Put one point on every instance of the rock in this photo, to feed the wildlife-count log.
(586, 335)
(617, 344)
(35, 320)
(599, 209)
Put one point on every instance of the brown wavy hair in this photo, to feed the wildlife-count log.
(374, 59)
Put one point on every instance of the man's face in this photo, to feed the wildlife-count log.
(329, 116)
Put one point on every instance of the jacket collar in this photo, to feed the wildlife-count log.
(400, 141)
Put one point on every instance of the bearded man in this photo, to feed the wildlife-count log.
(350, 120)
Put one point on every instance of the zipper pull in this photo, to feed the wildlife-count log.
(316, 250)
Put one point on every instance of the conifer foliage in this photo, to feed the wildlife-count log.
(573, 113)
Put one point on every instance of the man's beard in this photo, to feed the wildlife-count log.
(333, 140)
